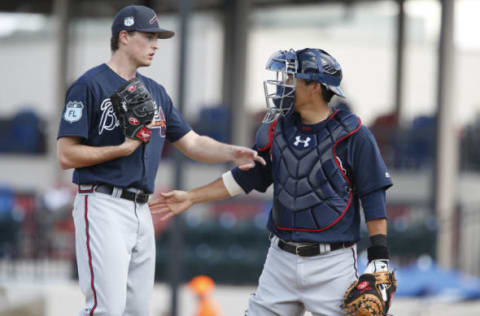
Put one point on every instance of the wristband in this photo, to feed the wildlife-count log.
(377, 252)
(378, 249)
(378, 240)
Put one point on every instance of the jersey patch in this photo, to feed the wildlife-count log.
(73, 111)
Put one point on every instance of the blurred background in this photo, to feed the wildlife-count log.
(410, 72)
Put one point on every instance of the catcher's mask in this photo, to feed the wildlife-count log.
(310, 64)
(280, 92)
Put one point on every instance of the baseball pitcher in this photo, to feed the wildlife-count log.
(112, 131)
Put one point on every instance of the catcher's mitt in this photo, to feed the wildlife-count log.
(134, 107)
(370, 295)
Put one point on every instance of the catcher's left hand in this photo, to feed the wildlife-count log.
(372, 293)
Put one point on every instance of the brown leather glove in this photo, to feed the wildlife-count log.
(370, 295)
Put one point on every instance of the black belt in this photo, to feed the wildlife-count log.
(138, 197)
(314, 249)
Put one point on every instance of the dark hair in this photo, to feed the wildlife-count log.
(327, 94)
(115, 39)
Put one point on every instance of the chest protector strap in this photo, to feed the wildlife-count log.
(312, 191)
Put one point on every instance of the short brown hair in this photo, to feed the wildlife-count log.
(114, 40)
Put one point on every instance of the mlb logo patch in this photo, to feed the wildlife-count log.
(73, 111)
(129, 21)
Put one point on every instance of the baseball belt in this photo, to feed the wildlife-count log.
(138, 196)
(314, 249)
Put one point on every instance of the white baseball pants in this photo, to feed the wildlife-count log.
(290, 285)
(115, 250)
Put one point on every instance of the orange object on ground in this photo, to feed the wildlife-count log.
(202, 286)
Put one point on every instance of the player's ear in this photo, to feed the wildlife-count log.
(123, 37)
(316, 88)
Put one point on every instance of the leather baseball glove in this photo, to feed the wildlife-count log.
(370, 295)
(134, 107)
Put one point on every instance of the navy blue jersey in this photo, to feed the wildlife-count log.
(88, 114)
(359, 158)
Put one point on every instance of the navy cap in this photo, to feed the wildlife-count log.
(139, 18)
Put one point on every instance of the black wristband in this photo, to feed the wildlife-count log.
(378, 240)
(377, 252)
(378, 248)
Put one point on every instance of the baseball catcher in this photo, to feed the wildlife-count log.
(372, 293)
(322, 162)
(134, 108)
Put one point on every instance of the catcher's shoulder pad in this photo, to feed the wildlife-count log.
(264, 137)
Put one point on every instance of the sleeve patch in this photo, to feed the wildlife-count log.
(73, 111)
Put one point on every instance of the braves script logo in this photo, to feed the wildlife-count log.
(108, 120)
(299, 140)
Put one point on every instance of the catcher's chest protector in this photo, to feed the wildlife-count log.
(311, 190)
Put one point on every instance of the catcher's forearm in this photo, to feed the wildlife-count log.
(72, 154)
(377, 227)
(213, 191)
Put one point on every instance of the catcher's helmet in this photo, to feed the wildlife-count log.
(310, 64)
(318, 65)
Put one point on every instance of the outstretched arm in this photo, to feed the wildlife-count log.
(176, 202)
(206, 149)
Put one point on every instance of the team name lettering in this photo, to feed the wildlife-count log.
(108, 120)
